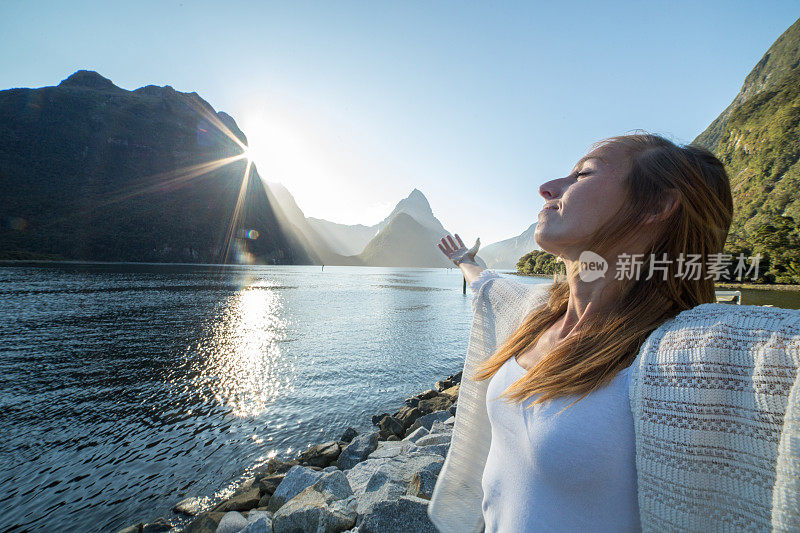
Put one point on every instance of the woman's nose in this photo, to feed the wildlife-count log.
(549, 189)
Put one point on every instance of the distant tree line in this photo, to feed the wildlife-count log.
(777, 243)
(539, 262)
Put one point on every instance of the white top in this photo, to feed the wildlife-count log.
(556, 469)
(715, 397)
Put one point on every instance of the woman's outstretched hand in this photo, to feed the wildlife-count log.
(457, 252)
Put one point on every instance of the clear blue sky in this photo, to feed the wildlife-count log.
(353, 104)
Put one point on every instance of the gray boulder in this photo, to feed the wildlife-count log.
(433, 438)
(391, 449)
(441, 427)
(232, 522)
(334, 484)
(315, 511)
(407, 513)
(297, 479)
(258, 522)
(422, 484)
(437, 449)
(428, 420)
(358, 450)
(416, 434)
(388, 478)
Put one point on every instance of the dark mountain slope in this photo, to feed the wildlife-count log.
(92, 171)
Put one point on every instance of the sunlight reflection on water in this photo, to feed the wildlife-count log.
(243, 353)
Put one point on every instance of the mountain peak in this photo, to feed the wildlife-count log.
(90, 80)
(418, 199)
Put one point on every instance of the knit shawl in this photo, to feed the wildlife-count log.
(715, 397)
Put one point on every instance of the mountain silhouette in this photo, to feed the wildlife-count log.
(91, 171)
(506, 253)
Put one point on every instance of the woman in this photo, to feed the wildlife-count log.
(545, 436)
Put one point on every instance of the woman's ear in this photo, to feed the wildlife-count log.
(667, 206)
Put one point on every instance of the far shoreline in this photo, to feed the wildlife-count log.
(723, 285)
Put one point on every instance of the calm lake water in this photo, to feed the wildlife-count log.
(126, 388)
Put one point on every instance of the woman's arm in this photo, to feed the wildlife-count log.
(457, 252)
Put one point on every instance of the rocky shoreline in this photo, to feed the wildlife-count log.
(376, 481)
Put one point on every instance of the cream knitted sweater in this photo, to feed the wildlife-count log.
(715, 395)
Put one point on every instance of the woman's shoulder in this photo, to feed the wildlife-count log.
(745, 316)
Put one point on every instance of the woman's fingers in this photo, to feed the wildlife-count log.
(448, 246)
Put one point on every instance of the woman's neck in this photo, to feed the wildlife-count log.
(586, 300)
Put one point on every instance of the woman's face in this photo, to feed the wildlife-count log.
(578, 204)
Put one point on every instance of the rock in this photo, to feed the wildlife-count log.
(387, 478)
(391, 449)
(438, 449)
(432, 439)
(314, 511)
(408, 415)
(240, 501)
(132, 529)
(321, 455)
(258, 522)
(157, 526)
(189, 507)
(450, 421)
(269, 483)
(427, 421)
(296, 481)
(232, 522)
(392, 438)
(452, 409)
(441, 427)
(422, 484)
(444, 384)
(335, 485)
(357, 450)
(416, 434)
(411, 402)
(430, 393)
(452, 391)
(437, 403)
(407, 513)
(205, 523)
(348, 435)
(277, 466)
(391, 425)
(377, 418)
